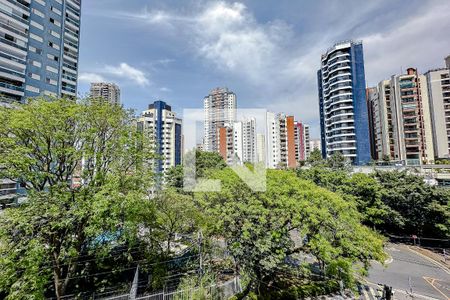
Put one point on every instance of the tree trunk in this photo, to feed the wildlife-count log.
(58, 288)
(247, 290)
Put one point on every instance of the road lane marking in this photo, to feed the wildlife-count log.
(372, 292)
(441, 266)
(402, 292)
(431, 281)
(414, 295)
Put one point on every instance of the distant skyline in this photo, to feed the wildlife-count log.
(267, 52)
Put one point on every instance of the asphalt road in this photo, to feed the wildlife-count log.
(408, 270)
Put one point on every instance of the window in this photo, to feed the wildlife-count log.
(52, 57)
(53, 45)
(55, 10)
(36, 37)
(51, 81)
(38, 12)
(9, 37)
(41, 2)
(57, 23)
(34, 76)
(51, 69)
(37, 25)
(36, 64)
(54, 33)
(32, 89)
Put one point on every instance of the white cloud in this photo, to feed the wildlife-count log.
(165, 89)
(127, 72)
(280, 66)
(91, 77)
(121, 73)
(228, 36)
(417, 42)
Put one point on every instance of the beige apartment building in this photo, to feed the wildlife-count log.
(401, 118)
(438, 81)
(107, 91)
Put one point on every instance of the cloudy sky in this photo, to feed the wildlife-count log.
(267, 52)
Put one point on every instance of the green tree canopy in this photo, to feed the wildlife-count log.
(315, 158)
(393, 202)
(84, 166)
(263, 229)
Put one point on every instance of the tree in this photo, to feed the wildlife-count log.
(263, 229)
(85, 168)
(392, 202)
(174, 178)
(338, 161)
(205, 162)
(315, 158)
(176, 214)
(208, 161)
(421, 209)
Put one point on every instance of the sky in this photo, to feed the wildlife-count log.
(267, 52)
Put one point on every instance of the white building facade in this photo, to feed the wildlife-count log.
(165, 133)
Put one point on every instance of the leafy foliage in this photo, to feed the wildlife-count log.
(262, 230)
(84, 168)
(393, 202)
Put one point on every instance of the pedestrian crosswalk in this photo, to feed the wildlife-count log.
(369, 293)
(366, 292)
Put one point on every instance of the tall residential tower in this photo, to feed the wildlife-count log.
(219, 109)
(108, 91)
(342, 102)
(438, 81)
(39, 44)
(165, 131)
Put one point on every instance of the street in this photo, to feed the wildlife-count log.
(408, 271)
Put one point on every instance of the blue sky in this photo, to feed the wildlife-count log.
(267, 52)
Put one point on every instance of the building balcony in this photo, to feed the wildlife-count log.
(11, 89)
(12, 74)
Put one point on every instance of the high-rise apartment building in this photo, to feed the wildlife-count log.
(384, 116)
(413, 119)
(249, 140)
(237, 141)
(401, 119)
(261, 153)
(302, 139)
(165, 133)
(280, 141)
(272, 141)
(108, 91)
(307, 140)
(219, 109)
(438, 81)
(225, 143)
(39, 43)
(342, 102)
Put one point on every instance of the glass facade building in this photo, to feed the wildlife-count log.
(39, 45)
(342, 102)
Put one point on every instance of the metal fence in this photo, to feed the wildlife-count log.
(421, 241)
(216, 291)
